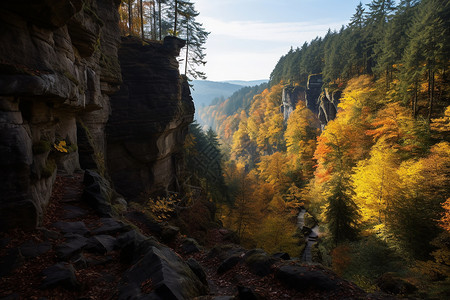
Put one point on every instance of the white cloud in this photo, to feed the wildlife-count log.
(291, 32)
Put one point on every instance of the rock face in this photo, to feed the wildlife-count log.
(290, 96)
(328, 102)
(58, 65)
(322, 103)
(151, 113)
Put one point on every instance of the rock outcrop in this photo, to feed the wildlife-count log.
(151, 114)
(58, 64)
(328, 102)
(59, 67)
(323, 103)
(289, 97)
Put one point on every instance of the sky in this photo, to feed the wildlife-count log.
(248, 37)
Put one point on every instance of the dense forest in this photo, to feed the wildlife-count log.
(376, 178)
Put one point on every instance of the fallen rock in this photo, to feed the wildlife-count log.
(197, 269)
(74, 244)
(225, 251)
(259, 263)
(110, 226)
(98, 193)
(169, 233)
(101, 244)
(170, 276)
(302, 279)
(61, 274)
(282, 255)
(133, 245)
(228, 264)
(72, 227)
(33, 249)
(189, 246)
(246, 293)
(79, 261)
(50, 234)
(101, 260)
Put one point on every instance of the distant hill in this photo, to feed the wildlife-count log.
(247, 83)
(204, 91)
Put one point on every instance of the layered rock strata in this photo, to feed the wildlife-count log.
(151, 114)
(58, 66)
(323, 103)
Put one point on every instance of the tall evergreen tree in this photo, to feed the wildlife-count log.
(357, 20)
(341, 212)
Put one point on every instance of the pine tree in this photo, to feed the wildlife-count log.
(357, 20)
(341, 213)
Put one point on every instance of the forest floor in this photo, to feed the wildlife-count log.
(21, 274)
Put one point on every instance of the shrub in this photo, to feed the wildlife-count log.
(41, 147)
(49, 169)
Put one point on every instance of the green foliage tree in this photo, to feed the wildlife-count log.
(341, 212)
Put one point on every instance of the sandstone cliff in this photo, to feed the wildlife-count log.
(58, 62)
(59, 67)
(151, 114)
(323, 103)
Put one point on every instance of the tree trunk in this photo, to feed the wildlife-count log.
(187, 49)
(431, 97)
(176, 19)
(154, 21)
(415, 100)
(130, 18)
(159, 19)
(142, 19)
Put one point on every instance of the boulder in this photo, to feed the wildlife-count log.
(197, 269)
(282, 255)
(302, 279)
(72, 227)
(228, 264)
(171, 277)
(33, 249)
(169, 233)
(110, 226)
(61, 274)
(98, 193)
(223, 252)
(133, 245)
(189, 246)
(73, 245)
(260, 263)
(101, 244)
(246, 293)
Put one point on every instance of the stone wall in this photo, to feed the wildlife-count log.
(151, 113)
(58, 66)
